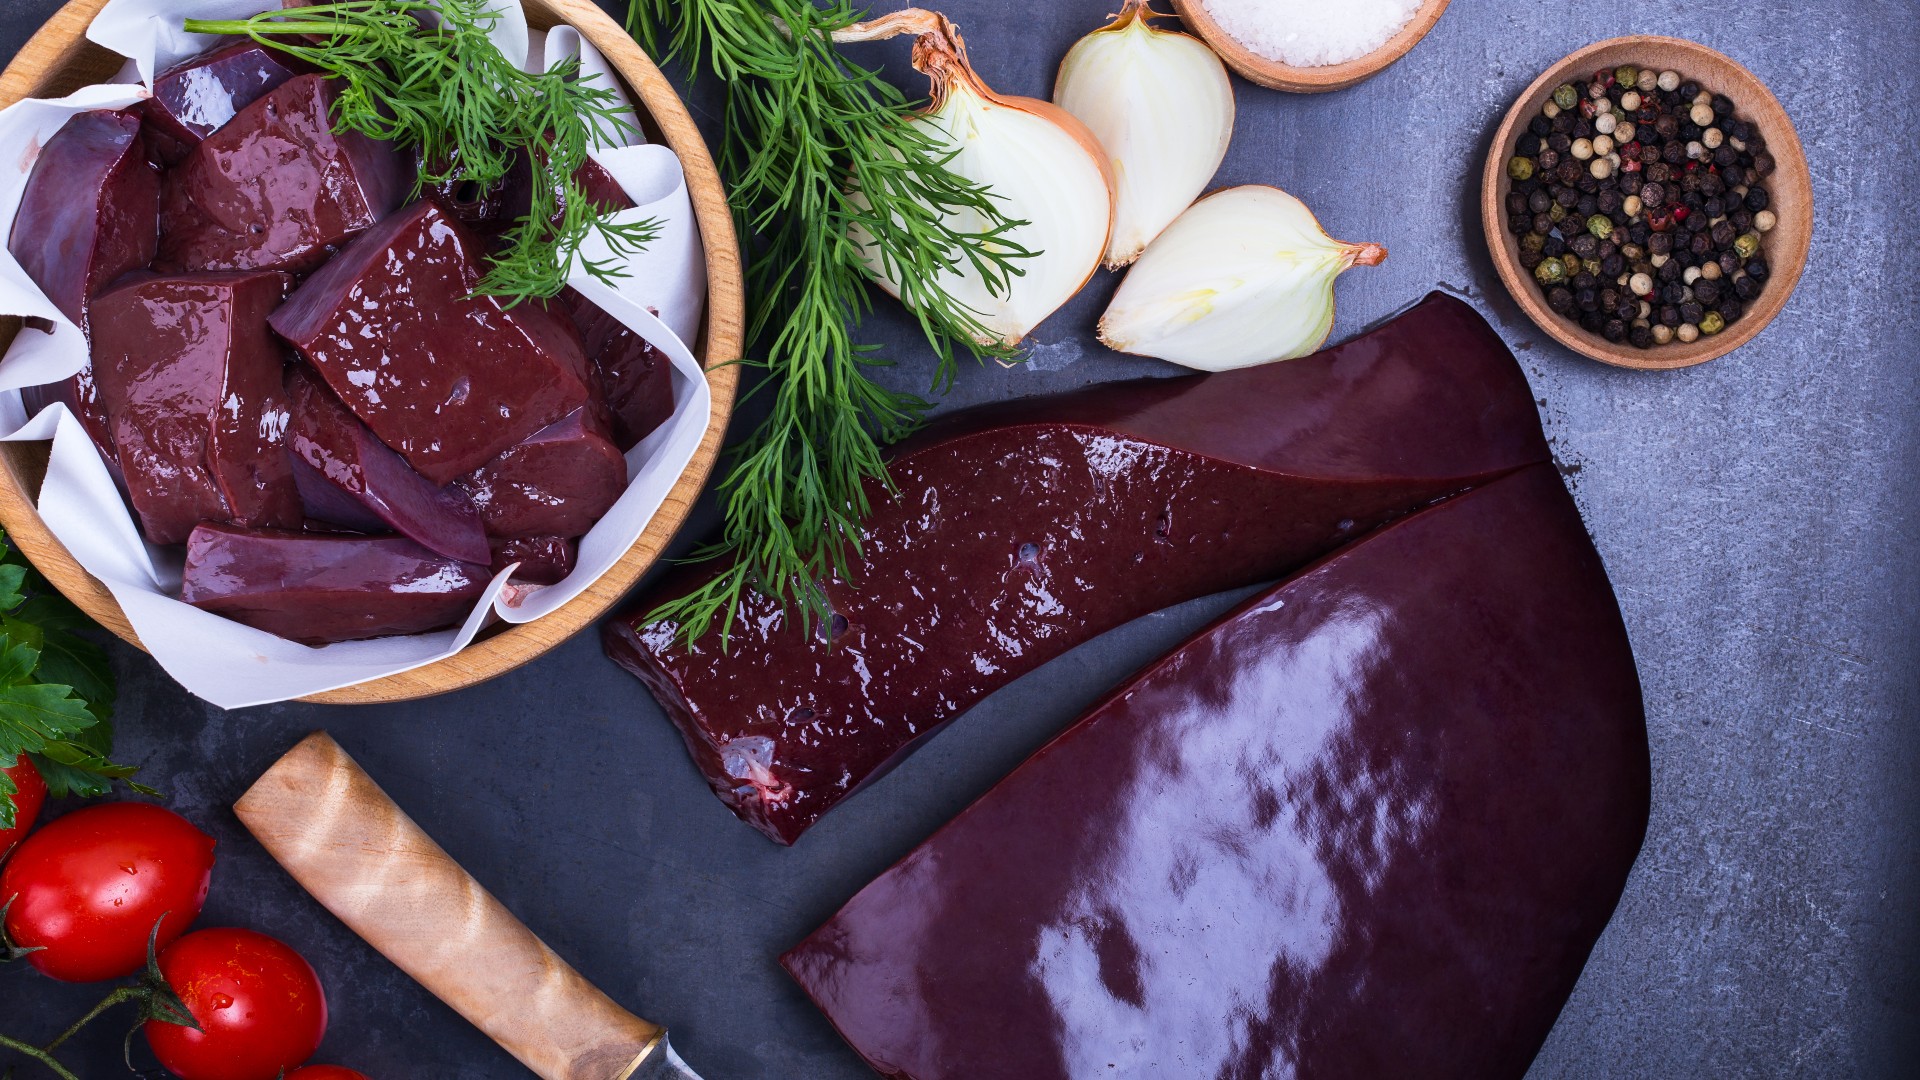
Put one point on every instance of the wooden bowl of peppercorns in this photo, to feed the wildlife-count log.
(1670, 246)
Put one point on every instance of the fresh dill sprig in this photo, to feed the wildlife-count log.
(424, 73)
(805, 130)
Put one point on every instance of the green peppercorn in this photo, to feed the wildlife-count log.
(1566, 96)
(1533, 241)
(1557, 213)
(1626, 75)
(1600, 225)
(1746, 245)
(1520, 168)
(1712, 323)
(1572, 263)
(1550, 272)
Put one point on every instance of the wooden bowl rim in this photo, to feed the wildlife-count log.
(1309, 80)
(1787, 246)
(61, 41)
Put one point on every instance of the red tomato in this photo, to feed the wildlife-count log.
(88, 888)
(325, 1072)
(259, 1005)
(32, 794)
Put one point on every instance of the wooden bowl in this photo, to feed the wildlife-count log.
(1791, 188)
(1307, 80)
(59, 59)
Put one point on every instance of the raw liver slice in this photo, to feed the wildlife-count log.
(447, 379)
(277, 188)
(1368, 825)
(89, 214)
(317, 589)
(196, 97)
(557, 482)
(192, 381)
(636, 379)
(543, 560)
(338, 453)
(1025, 530)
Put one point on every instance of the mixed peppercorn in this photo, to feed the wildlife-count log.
(1639, 201)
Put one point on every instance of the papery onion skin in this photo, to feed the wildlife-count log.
(1244, 277)
(1067, 205)
(1161, 104)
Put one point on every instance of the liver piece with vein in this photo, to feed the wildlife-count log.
(196, 97)
(1369, 824)
(1023, 530)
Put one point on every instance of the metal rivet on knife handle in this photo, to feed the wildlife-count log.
(344, 840)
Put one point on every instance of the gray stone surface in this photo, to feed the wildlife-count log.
(1758, 515)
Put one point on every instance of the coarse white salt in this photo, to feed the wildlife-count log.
(1312, 33)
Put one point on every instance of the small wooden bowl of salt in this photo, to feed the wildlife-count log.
(1310, 46)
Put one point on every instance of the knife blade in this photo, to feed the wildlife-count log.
(326, 821)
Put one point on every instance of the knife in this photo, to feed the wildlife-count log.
(344, 840)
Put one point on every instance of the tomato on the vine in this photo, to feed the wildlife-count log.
(325, 1072)
(88, 888)
(258, 1003)
(30, 796)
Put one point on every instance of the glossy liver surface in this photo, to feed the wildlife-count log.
(276, 188)
(316, 588)
(635, 378)
(556, 482)
(1367, 825)
(447, 379)
(196, 97)
(381, 491)
(1023, 531)
(192, 380)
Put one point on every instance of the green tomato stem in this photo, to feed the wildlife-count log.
(125, 993)
(38, 1055)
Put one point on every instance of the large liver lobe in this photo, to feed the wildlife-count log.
(1023, 531)
(1369, 824)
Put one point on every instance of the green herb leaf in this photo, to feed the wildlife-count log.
(805, 129)
(424, 73)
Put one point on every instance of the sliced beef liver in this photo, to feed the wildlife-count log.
(447, 379)
(88, 215)
(276, 188)
(196, 97)
(557, 482)
(543, 560)
(192, 380)
(343, 457)
(318, 589)
(636, 379)
(1369, 824)
(1024, 530)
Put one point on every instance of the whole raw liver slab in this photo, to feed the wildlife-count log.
(193, 382)
(317, 589)
(196, 97)
(557, 482)
(1024, 530)
(447, 379)
(1368, 825)
(90, 213)
(337, 458)
(276, 188)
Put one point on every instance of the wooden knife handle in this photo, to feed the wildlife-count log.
(342, 838)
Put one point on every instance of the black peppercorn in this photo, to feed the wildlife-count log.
(1584, 245)
(1729, 263)
(1707, 292)
(1701, 244)
(1641, 336)
(1541, 126)
(1674, 293)
(1674, 153)
(1763, 165)
(1723, 234)
(1587, 205)
(1725, 155)
(1541, 224)
(1587, 183)
(1560, 298)
(1757, 269)
(1531, 259)
(1689, 90)
(1669, 316)
(1592, 321)
(1615, 330)
(1653, 194)
(1613, 264)
(1559, 143)
(1722, 105)
(1741, 217)
(1660, 244)
(1669, 270)
(1692, 311)
(1555, 246)
(1585, 280)
(1731, 309)
(1538, 202)
(1587, 299)
(1548, 159)
(1757, 199)
(1745, 287)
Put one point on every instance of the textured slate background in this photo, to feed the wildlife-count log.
(1757, 515)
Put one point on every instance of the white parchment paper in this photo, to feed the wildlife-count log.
(233, 665)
